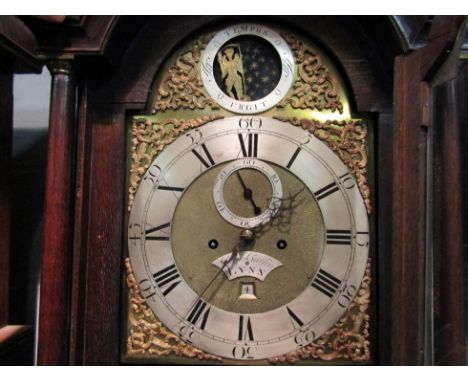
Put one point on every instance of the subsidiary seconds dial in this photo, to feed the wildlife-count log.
(272, 199)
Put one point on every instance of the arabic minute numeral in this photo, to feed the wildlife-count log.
(347, 181)
(244, 352)
(347, 294)
(250, 123)
(146, 289)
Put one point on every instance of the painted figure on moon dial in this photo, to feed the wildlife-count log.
(248, 235)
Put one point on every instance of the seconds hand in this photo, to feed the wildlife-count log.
(234, 253)
(246, 237)
(248, 194)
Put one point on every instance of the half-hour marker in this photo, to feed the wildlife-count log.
(295, 320)
(245, 331)
(252, 144)
(156, 229)
(208, 160)
(168, 277)
(169, 188)
(325, 191)
(338, 236)
(326, 283)
(200, 310)
(293, 158)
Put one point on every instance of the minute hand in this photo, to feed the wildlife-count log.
(248, 194)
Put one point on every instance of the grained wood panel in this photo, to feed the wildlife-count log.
(104, 242)
(407, 269)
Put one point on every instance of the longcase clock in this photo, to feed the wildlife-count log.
(251, 190)
(248, 228)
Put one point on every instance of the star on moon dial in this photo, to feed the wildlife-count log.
(290, 284)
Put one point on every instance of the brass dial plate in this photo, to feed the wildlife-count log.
(233, 334)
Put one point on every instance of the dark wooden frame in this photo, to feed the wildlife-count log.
(6, 116)
(109, 89)
(413, 75)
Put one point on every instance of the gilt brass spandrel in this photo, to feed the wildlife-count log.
(149, 138)
(348, 139)
(147, 336)
(181, 86)
(317, 85)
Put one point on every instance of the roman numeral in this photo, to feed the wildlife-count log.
(168, 277)
(200, 310)
(155, 229)
(293, 158)
(338, 236)
(325, 191)
(326, 283)
(245, 333)
(169, 188)
(252, 144)
(208, 160)
(297, 323)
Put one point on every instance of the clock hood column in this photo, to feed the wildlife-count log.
(58, 215)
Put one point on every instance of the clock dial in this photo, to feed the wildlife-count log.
(294, 277)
